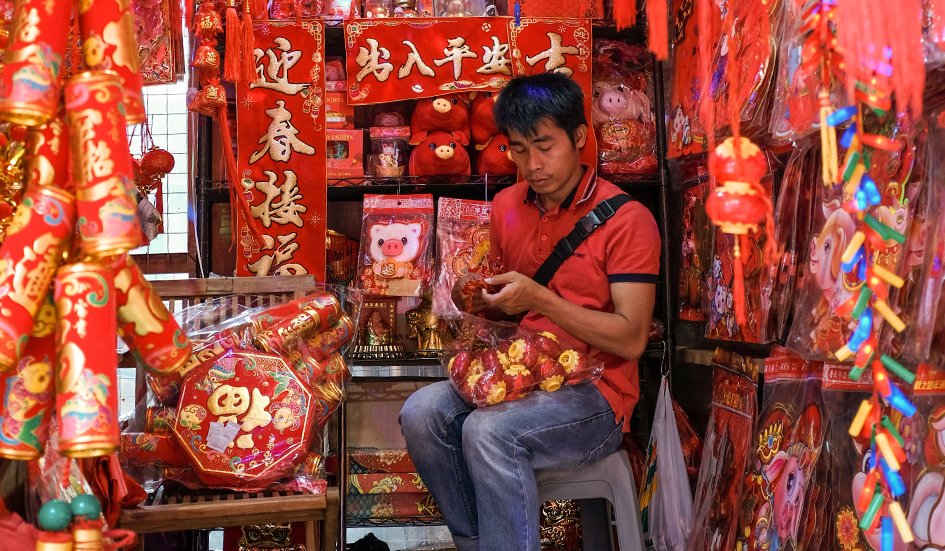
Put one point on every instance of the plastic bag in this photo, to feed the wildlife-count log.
(779, 486)
(696, 254)
(821, 326)
(395, 256)
(462, 239)
(725, 452)
(848, 461)
(721, 284)
(665, 499)
(255, 396)
(622, 112)
(494, 362)
(925, 450)
(792, 228)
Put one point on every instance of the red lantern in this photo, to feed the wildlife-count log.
(157, 162)
(739, 203)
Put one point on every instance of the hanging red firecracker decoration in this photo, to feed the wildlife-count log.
(739, 203)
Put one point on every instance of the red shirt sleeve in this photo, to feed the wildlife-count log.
(633, 246)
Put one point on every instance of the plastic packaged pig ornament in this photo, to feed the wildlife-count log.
(622, 114)
(395, 256)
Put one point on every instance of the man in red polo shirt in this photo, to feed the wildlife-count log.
(480, 464)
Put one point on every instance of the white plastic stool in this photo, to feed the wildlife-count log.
(610, 479)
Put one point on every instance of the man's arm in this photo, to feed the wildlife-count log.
(623, 333)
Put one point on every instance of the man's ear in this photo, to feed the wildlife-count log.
(580, 136)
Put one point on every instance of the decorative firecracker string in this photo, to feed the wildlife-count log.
(862, 199)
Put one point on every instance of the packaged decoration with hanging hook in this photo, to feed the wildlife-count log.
(396, 234)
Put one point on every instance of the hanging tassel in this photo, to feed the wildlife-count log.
(625, 13)
(260, 10)
(738, 284)
(236, 196)
(231, 62)
(189, 14)
(657, 21)
(248, 64)
(828, 142)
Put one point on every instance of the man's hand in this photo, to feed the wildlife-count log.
(519, 293)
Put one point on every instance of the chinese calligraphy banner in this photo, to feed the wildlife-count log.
(282, 163)
(391, 59)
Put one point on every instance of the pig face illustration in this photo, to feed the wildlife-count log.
(395, 242)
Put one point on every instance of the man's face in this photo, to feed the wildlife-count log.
(548, 159)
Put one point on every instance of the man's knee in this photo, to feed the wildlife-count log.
(484, 432)
(422, 411)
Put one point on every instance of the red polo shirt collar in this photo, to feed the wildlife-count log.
(582, 192)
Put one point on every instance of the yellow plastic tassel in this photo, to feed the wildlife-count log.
(905, 531)
(856, 427)
(828, 142)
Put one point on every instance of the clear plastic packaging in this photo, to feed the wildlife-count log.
(396, 253)
(255, 397)
(622, 111)
(390, 151)
(779, 484)
(378, 8)
(464, 8)
(725, 453)
(462, 239)
(487, 367)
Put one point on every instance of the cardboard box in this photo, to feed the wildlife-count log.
(345, 151)
(338, 113)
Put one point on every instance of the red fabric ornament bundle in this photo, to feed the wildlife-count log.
(518, 366)
(448, 113)
(440, 154)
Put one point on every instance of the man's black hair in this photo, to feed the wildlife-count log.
(526, 100)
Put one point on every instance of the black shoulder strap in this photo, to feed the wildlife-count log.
(584, 227)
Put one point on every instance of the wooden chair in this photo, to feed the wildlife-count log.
(174, 509)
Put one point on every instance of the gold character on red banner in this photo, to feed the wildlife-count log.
(555, 56)
(282, 138)
(414, 59)
(369, 61)
(273, 74)
(458, 49)
(280, 205)
(277, 262)
(495, 59)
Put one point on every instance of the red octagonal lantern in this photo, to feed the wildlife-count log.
(737, 204)
(245, 421)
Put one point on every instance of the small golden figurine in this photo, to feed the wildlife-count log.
(429, 330)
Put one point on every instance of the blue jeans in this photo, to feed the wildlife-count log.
(480, 464)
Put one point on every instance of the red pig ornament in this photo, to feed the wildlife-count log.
(448, 113)
(482, 120)
(440, 154)
(495, 157)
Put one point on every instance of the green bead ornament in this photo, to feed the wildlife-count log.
(55, 516)
(86, 506)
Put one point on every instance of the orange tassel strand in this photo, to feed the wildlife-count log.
(231, 61)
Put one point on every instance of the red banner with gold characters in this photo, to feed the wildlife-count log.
(282, 162)
(391, 59)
